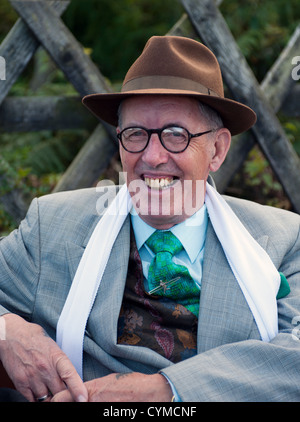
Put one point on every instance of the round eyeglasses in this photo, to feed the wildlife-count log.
(173, 138)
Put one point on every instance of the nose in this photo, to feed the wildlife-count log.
(155, 153)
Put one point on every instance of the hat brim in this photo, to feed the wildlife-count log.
(237, 117)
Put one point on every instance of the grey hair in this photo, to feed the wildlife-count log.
(120, 114)
(209, 114)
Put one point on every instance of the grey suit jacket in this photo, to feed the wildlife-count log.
(38, 262)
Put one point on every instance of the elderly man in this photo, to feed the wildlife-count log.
(161, 289)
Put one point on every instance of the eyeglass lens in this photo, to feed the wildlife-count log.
(173, 138)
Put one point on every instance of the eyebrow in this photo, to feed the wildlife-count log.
(165, 125)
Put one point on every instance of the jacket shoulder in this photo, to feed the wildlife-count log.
(89, 201)
(265, 220)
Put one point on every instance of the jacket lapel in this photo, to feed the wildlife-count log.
(74, 251)
(224, 315)
(110, 294)
(111, 289)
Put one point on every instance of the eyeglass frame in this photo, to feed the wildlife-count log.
(159, 132)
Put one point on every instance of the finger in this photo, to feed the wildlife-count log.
(38, 382)
(42, 395)
(27, 393)
(37, 391)
(70, 377)
(35, 388)
(21, 384)
(63, 397)
(44, 398)
(55, 385)
(43, 380)
(35, 395)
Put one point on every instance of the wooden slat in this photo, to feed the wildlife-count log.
(27, 114)
(214, 32)
(278, 82)
(61, 44)
(19, 46)
(276, 86)
(291, 105)
(69, 56)
(89, 163)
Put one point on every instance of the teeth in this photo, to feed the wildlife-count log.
(158, 183)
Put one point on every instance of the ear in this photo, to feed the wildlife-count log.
(220, 148)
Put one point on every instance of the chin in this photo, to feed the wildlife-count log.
(159, 214)
(162, 222)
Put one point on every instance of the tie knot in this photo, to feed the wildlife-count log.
(164, 241)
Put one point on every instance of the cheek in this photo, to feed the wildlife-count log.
(129, 165)
(125, 160)
(195, 163)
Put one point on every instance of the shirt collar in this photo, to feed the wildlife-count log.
(191, 232)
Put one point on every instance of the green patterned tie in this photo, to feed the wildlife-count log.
(168, 279)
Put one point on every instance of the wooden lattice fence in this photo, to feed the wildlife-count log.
(40, 25)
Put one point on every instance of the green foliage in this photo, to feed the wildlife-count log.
(41, 152)
(116, 31)
(255, 181)
(292, 130)
(8, 17)
(7, 223)
(261, 28)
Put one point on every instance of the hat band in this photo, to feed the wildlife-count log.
(167, 82)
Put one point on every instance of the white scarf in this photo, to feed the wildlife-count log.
(257, 276)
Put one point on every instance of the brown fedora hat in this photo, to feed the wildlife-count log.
(179, 66)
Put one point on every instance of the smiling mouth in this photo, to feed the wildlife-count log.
(160, 182)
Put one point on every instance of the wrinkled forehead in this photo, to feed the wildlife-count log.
(158, 107)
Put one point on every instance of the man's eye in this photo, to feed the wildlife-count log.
(177, 135)
(134, 135)
(138, 133)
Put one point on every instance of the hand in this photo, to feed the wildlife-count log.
(35, 363)
(131, 387)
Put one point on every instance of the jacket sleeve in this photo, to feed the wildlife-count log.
(20, 266)
(251, 370)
